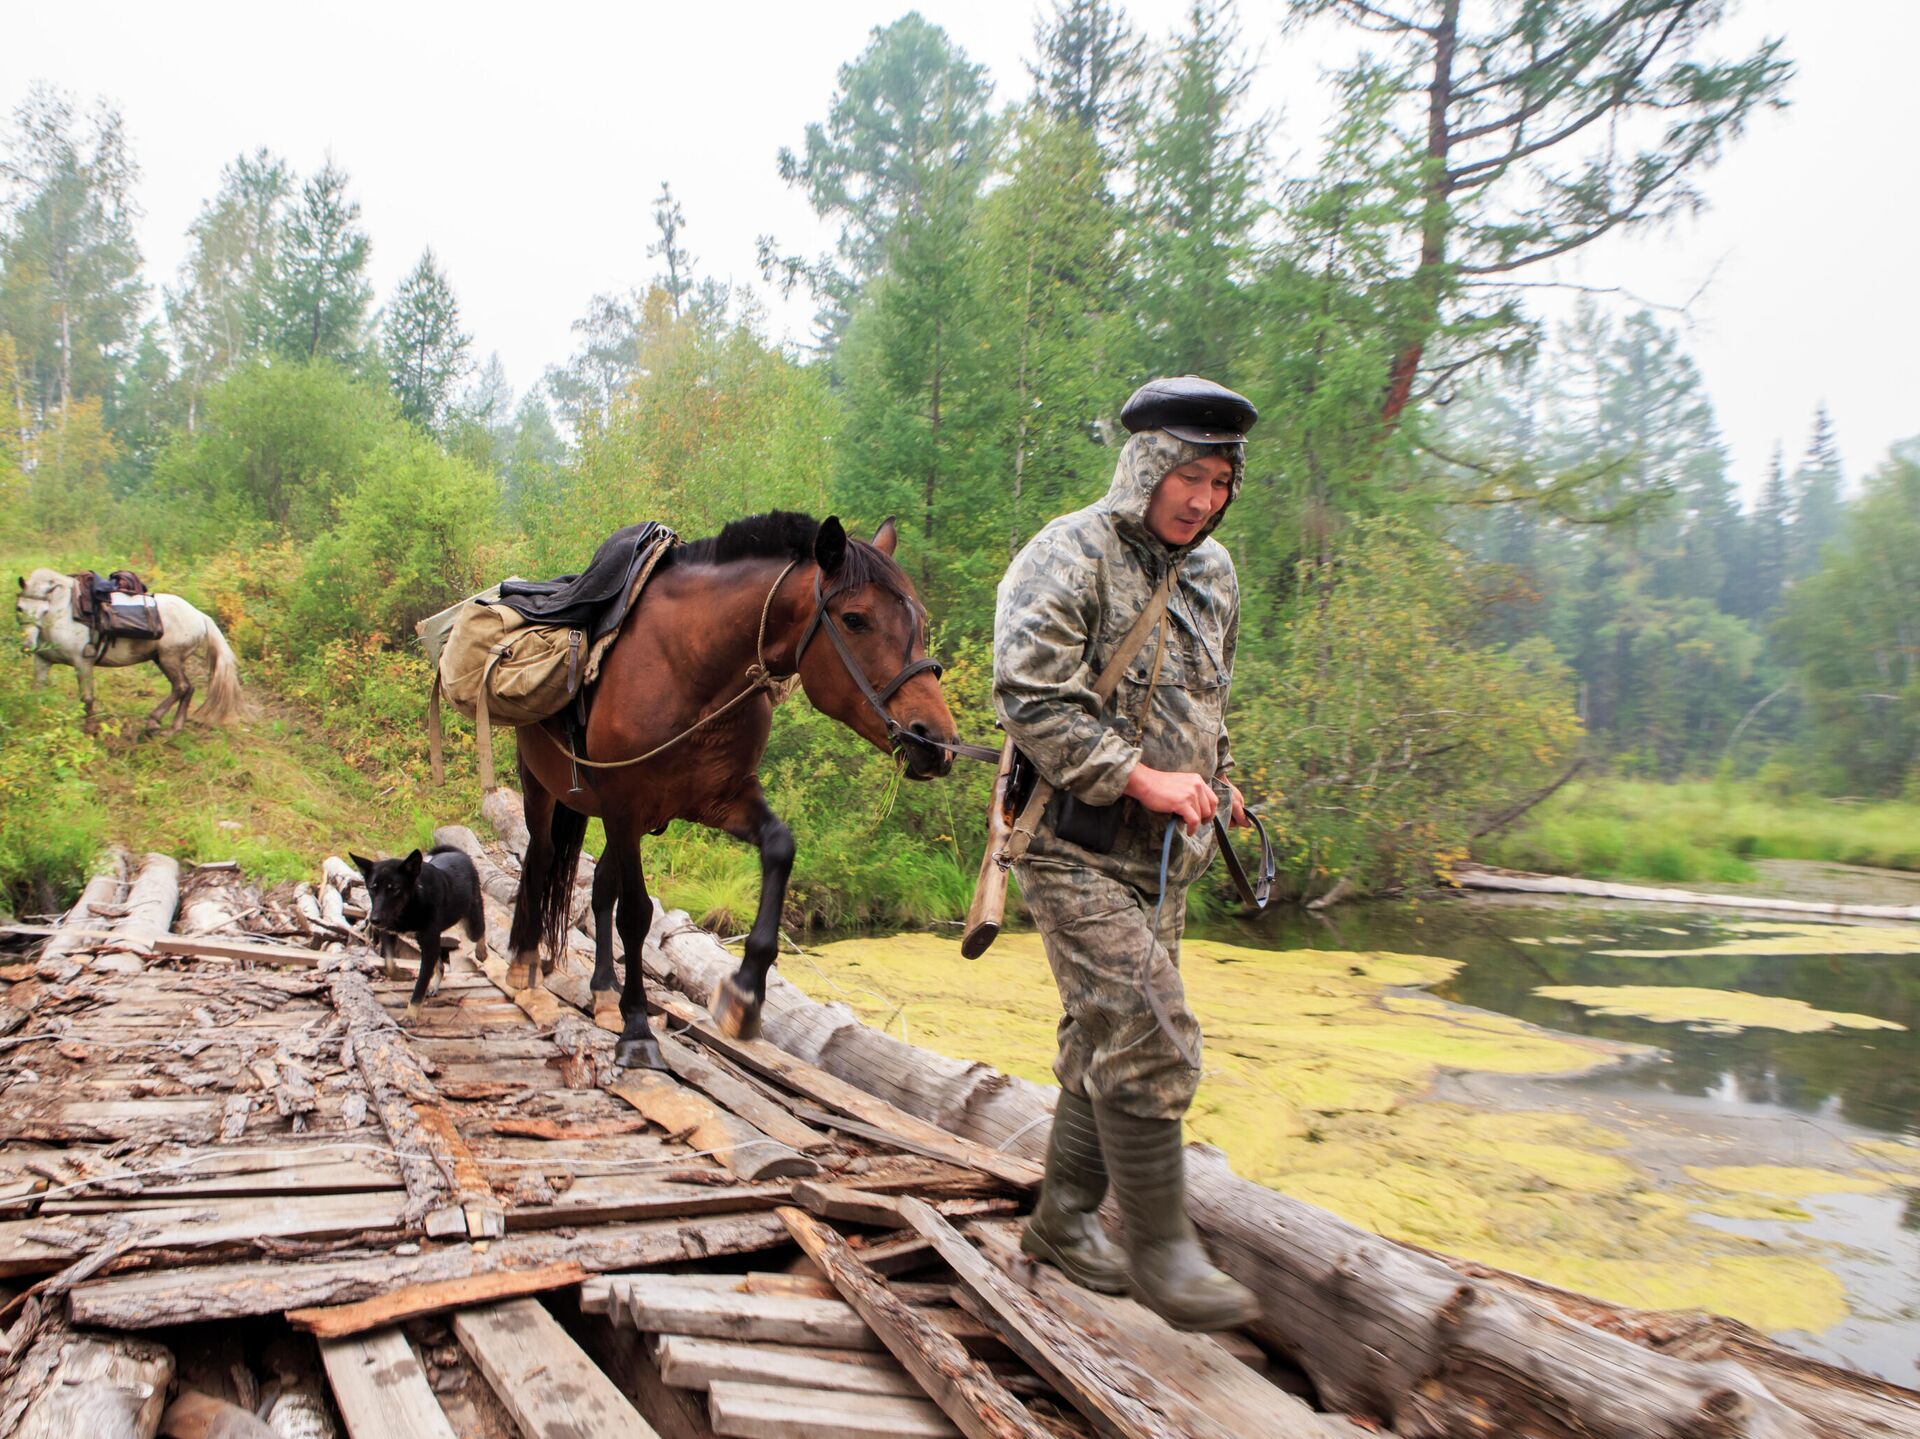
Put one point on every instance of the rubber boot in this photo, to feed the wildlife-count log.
(1065, 1228)
(1170, 1272)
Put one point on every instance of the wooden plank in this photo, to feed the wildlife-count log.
(965, 1391)
(188, 946)
(1122, 1397)
(381, 1389)
(104, 1386)
(442, 1178)
(690, 1363)
(714, 1077)
(1201, 1387)
(775, 1063)
(335, 1321)
(728, 1138)
(602, 1199)
(200, 1224)
(660, 1304)
(541, 1377)
(766, 1411)
(237, 1290)
(898, 1256)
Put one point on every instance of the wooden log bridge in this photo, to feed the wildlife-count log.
(237, 1192)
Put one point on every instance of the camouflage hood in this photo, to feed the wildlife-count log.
(1145, 460)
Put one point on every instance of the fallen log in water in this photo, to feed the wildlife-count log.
(1512, 881)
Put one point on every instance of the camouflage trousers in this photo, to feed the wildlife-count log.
(1103, 951)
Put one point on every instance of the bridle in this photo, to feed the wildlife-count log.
(897, 733)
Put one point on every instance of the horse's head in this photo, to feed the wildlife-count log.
(40, 593)
(875, 631)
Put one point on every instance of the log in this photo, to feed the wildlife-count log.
(103, 1386)
(444, 1183)
(772, 1411)
(966, 1392)
(69, 936)
(336, 1321)
(1519, 882)
(151, 902)
(690, 1363)
(1385, 1332)
(240, 1290)
(707, 1127)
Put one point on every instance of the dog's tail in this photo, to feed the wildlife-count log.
(223, 699)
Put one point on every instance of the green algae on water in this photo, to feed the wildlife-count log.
(1714, 1011)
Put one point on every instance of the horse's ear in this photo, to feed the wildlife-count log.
(830, 544)
(23, 581)
(410, 866)
(365, 865)
(886, 537)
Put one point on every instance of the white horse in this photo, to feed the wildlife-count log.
(54, 637)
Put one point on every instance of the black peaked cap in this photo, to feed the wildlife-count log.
(1192, 409)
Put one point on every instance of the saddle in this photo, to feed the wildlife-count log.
(117, 607)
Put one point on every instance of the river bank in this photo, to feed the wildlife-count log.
(1401, 1066)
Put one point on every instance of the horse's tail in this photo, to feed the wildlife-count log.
(554, 905)
(223, 688)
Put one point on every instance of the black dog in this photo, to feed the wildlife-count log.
(424, 897)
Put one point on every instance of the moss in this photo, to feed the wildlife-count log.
(1721, 1011)
(1317, 1062)
(1782, 1181)
(1797, 939)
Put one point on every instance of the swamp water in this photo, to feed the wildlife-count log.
(1667, 1108)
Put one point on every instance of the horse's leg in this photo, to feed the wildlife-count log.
(606, 889)
(42, 671)
(523, 941)
(180, 690)
(736, 1003)
(637, 1049)
(83, 677)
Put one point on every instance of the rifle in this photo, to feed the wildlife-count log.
(989, 905)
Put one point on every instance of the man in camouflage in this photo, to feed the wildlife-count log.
(1128, 1057)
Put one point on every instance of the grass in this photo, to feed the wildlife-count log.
(1702, 831)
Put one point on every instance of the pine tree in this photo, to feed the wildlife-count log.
(320, 291)
(1816, 497)
(907, 134)
(220, 312)
(585, 388)
(1197, 203)
(1770, 547)
(669, 220)
(70, 287)
(1514, 138)
(1091, 69)
(425, 348)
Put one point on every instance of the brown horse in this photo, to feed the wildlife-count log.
(720, 619)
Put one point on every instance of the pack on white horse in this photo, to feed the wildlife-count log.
(54, 637)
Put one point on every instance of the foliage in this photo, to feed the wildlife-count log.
(319, 293)
(51, 824)
(1384, 736)
(220, 311)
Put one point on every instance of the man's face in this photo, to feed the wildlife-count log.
(1186, 501)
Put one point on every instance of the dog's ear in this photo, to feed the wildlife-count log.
(830, 544)
(365, 865)
(410, 866)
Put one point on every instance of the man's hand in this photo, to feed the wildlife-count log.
(1237, 817)
(1186, 796)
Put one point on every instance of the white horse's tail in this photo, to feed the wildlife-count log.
(223, 689)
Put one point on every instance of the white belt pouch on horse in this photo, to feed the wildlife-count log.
(53, 636)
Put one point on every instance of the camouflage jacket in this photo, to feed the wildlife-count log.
(1065, 603)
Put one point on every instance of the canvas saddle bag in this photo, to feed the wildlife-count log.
(498, 668)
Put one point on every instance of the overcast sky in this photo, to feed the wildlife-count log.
(526, 143)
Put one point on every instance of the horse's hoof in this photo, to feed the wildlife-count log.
(736, 1013)
(639, 1053)
(606, 1010)
(520, 975)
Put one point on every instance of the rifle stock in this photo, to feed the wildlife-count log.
(989, 907)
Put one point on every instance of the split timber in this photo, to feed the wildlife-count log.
(232, 1181)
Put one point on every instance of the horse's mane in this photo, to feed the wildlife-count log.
(788, 535)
